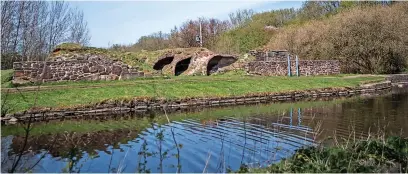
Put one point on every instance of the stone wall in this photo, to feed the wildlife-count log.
(90, 68)
(273, 55)
(306, 67)
(398, 78)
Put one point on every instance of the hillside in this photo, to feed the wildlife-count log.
(367, 37)
(177, 61)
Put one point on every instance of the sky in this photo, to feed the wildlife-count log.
(124, 22)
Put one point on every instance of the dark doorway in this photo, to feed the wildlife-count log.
(218, 62)
(162, 62)
(182, 66)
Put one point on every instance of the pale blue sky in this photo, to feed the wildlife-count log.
(124, 22)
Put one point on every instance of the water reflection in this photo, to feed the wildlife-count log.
(209, 145)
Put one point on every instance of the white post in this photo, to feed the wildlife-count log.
(201, 36)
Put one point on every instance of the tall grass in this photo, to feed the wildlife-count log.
(372, 155)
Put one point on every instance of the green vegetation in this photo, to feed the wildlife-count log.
(68, 47)
(366, 40)
(6, 77)
(216, 86)
(362, 156)
(367, 37)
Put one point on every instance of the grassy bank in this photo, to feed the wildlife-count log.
(361, 156)
(176, 89)
(86, 126)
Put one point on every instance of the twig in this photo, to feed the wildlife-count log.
(208, 159)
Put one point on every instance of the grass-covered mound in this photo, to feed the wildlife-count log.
(365, 156)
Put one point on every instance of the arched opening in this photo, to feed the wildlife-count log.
(182, 66)
(162, 62)
(218, 62)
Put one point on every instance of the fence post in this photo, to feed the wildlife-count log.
(297, 66)
(289, 65)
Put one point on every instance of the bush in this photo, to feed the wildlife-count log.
(364, 39)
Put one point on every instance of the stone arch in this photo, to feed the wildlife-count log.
(218, 62)
(182, 66)
(163, 62)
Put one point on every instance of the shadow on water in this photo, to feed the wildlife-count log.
(213, 140)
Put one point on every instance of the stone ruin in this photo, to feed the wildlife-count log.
(203, 62)
(73, 67)
(275, 63)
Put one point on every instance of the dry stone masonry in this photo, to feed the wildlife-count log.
(84, 67)
(275, 63)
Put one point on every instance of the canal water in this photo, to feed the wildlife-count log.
(210, 140)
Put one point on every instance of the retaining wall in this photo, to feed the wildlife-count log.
(398, 78)
(306, 67)
(94, 68)
(106, 108)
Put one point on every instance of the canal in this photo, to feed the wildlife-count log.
(209, 140)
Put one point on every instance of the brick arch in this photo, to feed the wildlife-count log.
(218, 62)
(163, 62)
(182, 66)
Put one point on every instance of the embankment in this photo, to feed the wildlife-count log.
(139, 105)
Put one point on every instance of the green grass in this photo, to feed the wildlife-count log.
(6, 77)
(361, 156)
(177, 89)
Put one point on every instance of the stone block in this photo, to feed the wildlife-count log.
(93, 69)
(116, 70)
(85, 69)
(18, 73)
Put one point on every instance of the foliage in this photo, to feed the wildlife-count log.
(365, 156)
(367, 39)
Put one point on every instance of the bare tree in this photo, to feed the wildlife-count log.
(59, 21)
(31, 29)
(240, 17)
(78, 31)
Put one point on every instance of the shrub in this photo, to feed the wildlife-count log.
(364, 39)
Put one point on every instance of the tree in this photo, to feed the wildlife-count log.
(240, 17)
(31, 29)
(78, 31)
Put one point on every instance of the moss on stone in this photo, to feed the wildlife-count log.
(67, 46)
